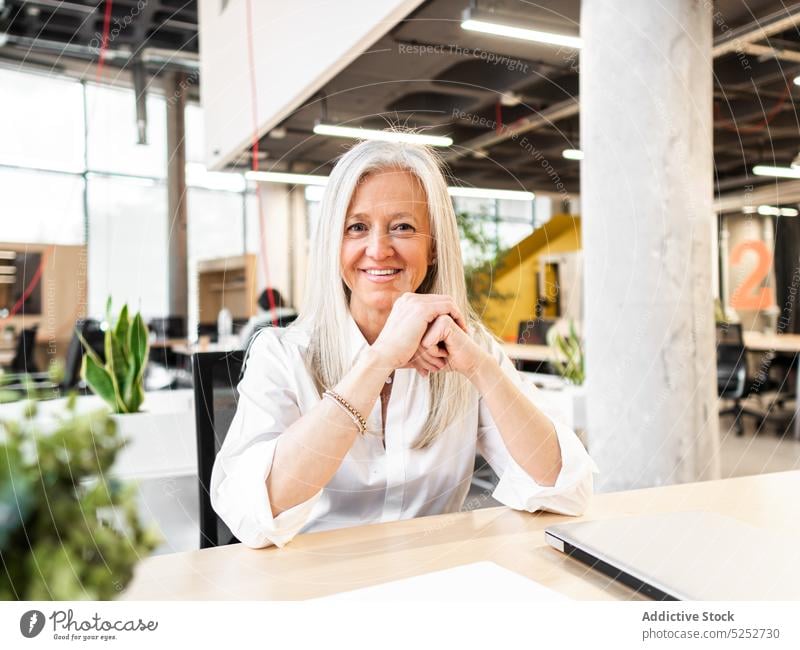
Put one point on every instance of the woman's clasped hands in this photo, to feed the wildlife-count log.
(429, 333)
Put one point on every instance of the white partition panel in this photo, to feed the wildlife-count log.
(297, 47)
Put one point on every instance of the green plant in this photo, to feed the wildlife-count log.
(18, 386)
(120, 381)
(480, 261)
(570, 360)
(67, 530)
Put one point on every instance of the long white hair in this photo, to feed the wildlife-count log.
(326, 310)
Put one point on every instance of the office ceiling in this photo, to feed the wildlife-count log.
(454, 89)
(169, 24)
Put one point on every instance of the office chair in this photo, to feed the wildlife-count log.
(23, 361)
(215, 376)
(282, 321)
(95, 337)
(168, 327)
(732, 378)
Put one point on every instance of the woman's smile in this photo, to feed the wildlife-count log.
(381, 275)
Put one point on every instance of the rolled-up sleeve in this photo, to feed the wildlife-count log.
(573, 488)
(267, 406)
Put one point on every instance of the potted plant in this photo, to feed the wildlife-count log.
(159, 431)
(568, 359)
(570, 362)
(120, 380)
(67, 531)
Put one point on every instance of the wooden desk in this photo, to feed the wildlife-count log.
(319, 564)
(168, 343)
(190, 349)
(773, 342)
(760, 342)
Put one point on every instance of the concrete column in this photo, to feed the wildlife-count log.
(177, 200)
(646, 192)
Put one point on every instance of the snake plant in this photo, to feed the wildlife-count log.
(120, 380)
(571, 365)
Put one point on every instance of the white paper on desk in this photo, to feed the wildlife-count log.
(477, 582)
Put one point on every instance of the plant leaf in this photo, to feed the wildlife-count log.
(115, 360)
(88, 348)
(100, 381)
(138, 344)
(112, 361)
(138, 347)
(121, 330)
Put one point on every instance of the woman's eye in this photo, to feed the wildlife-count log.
(355, 228)
(404, 227)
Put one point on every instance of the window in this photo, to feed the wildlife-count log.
(41, 207)
(41, 122)
(112, 137)
(511, 233)
(215, 224)
(128, 245)
(102, 178)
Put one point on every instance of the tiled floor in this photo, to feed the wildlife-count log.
(173, 503)
(767, 451)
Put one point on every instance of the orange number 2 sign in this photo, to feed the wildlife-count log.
(749, 295)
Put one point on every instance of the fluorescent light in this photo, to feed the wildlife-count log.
(749, 209)
(487, 193)
(572, 154)
(288, 179)
(772, 211)
(198, 176)
(796, 81)
(387, 136)
(498, 29)
(780, 172)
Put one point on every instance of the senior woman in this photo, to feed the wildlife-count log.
(372, 405)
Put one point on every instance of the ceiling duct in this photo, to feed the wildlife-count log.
(140, 93)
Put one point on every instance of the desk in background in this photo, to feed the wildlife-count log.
(324, 563)
(786, 343)
(522, 352)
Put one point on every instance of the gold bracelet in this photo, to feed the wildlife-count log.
(357, 418)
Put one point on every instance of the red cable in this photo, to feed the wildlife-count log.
(104, 42)
(498, 117)
(254, 165)
(755, 128)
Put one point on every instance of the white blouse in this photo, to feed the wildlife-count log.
(373, 483)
